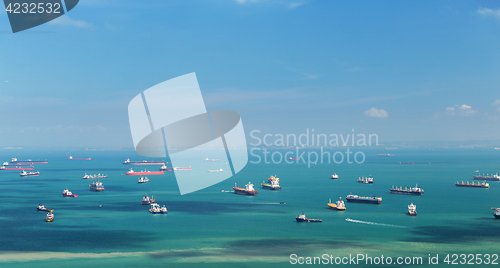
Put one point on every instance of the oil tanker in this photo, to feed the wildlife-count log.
(28, 161)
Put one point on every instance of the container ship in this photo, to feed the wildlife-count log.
(165, 168)
(365, 180)
(93, 177)
(302, 218)
(487, 177)
(210, 160)
(181, 168)
(412, 210)
(17, 168)
(145, 172)
(29, 161)
(364, 199)
(411, 191)
(273, 184)
(96, 186)
(249, 190)
(29, 174)
(472, 184)
(143, 163)
(73, 158)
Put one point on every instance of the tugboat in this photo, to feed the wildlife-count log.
(41, 207)
(335, 176)
(29, 174)
(340, 204)
(156, 209)
(478, 185)
(165, 168)
(145, 200)
(411, 191)
(50, 217)
(274, 184)
(412, 210)
(249, 190)
(67, 193)
(143, 180)
(96, 186)
(364, 199)
(302, 218)
(497, 213)
(365, 180)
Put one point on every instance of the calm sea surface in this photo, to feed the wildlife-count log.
(210, 228)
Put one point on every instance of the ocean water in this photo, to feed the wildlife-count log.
(211, 228)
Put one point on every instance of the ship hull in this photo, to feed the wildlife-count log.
(96, 190)
(355, 200)
(486, 179)
(30, 162)
(166, 169)
(406, 192)
(242, 191)
(145, 173)
(71, 195)
(412, 213)
(307, 220)
(143, 163)
(473, 186)
(32, 175)
(269, 187)
(496, 216)
(18, 169)
(45, 209)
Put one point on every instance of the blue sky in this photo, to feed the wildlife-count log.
(407, 71)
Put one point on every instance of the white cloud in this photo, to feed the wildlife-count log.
(67, 21)
(374, 112)
(294, 5)
(463, 109)
(497, 102)
(489, 12)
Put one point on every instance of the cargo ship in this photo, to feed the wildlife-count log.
(364, 199)
(29, 174)
(411, 191)
(16, 164)
(338, 206)
(165, 168)
(365, 180)
(487, 177)
(472, 184)
(96, 186)
(249, 190)
(17, 168)
(41, 207)
(143, 180)
(412, 210)
(335, 176)
(497, 213)
(50, 217)
(302, 218)
(145, 172)
(210, 160)
(93, 177)
(143, 162)
(145, 200)
(68, 193)
(272, 185)
(181, 168)
(28, 161)
(84, 158)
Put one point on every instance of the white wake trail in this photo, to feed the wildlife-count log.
(374, 223)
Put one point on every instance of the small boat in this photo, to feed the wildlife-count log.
(215, 170)
(143, 180)
(497, 213)
(96, 186)
(249, 190)
(335, 176)
(146, 200)
(365, 180)
(50, 217)
(302, 218)
(152, 200)
(41, 207)
(67, 193)
(29, 174)
(412, 210)
(294, 159)
(156, 209)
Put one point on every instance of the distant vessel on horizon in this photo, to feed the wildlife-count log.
(384, 155)
(165, 168)
(29, 161)
(210, 160)
(215, 170)
(17, 168)
(29, 174)
(145, 172)
(487, 177)
(16, 164)
(72, 158)
(142, 163)
(93, 177)
(182, 168)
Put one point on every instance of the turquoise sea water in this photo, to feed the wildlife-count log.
(210, 228)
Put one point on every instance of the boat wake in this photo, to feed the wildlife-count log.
(227, 191)
(374, 223)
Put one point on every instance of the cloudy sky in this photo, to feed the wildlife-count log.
(407, 71)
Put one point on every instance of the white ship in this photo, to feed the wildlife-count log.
(412, 210)
(335, 176)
